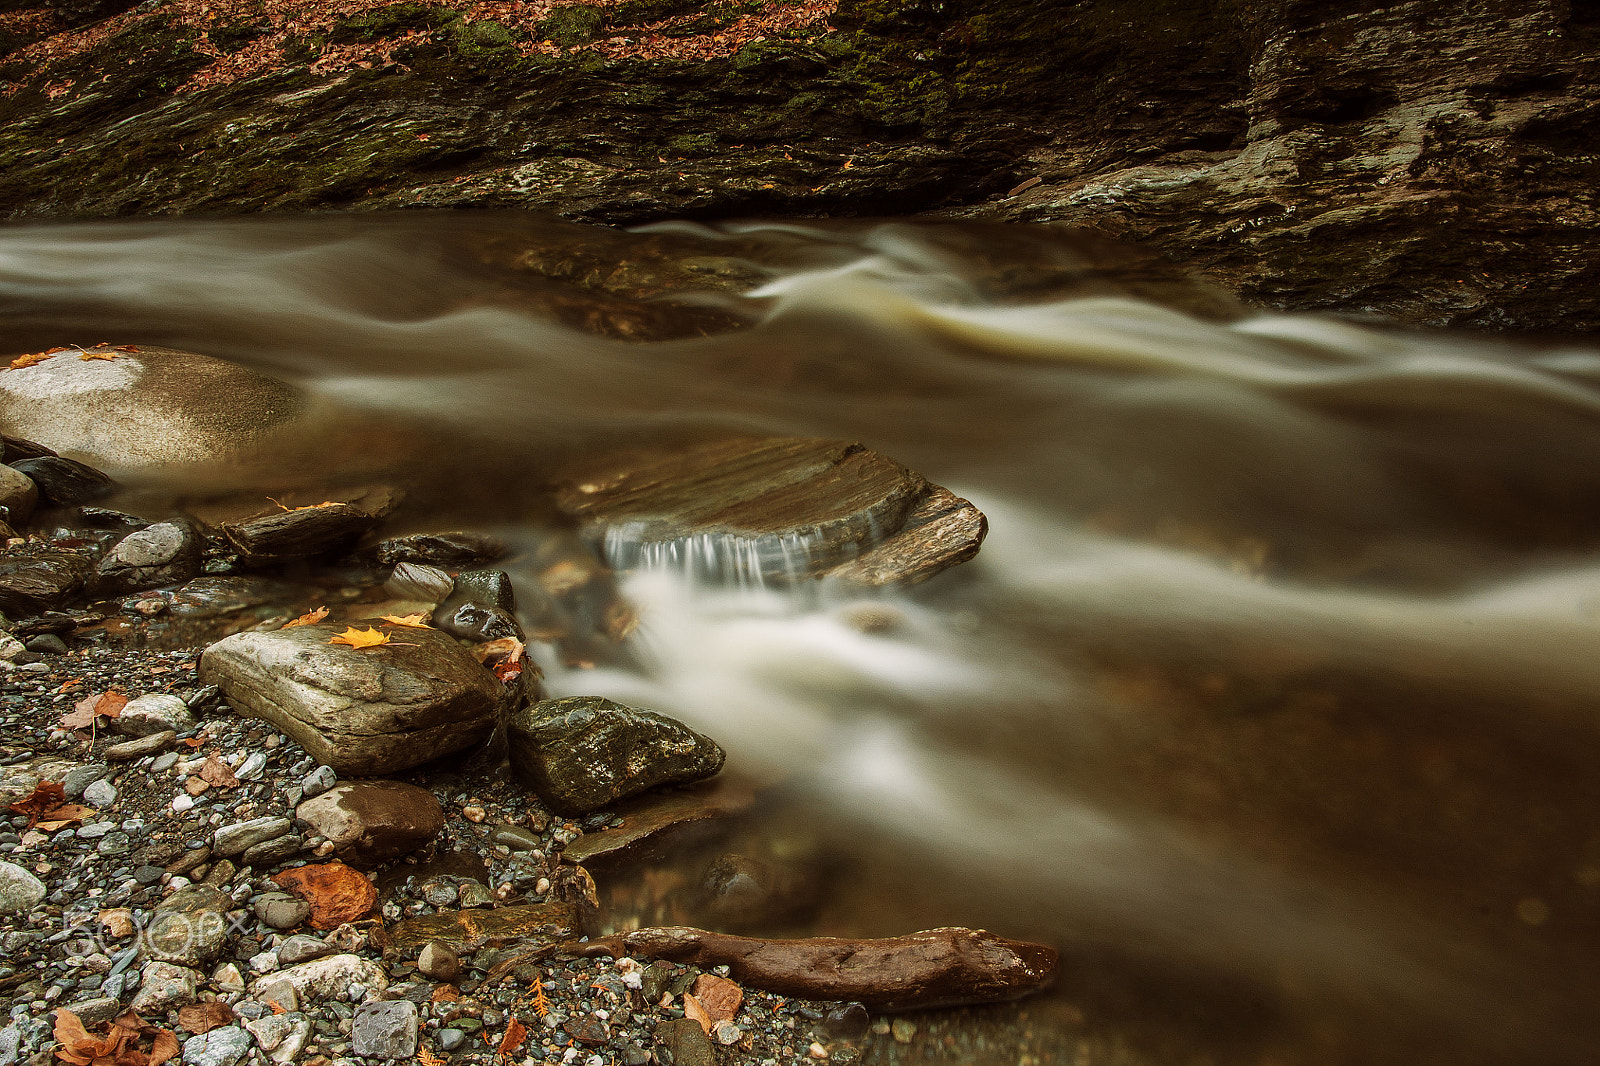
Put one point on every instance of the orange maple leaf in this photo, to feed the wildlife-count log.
(127, 348)
(360, 638)
(22, 362)
(516, 1033)
(86, 356)
(310, 618)
(410, 621)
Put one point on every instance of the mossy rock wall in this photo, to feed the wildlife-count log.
(1430, 160)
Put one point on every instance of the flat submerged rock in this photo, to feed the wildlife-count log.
(770, 509)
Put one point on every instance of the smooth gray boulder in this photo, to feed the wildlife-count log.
(385, 1030)
(166, 553)
(154, 406)
(20, 891)
(582, 753)
(190, 927)
(154, 712)
(363, 711)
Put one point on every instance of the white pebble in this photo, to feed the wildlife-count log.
(182, 802)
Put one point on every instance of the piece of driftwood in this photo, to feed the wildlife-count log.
(933, 968)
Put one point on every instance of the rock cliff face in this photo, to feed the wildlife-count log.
(1432, 159)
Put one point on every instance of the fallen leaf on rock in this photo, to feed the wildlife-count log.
(22, 362)
(307, 507)
(110, 703)
(310, 618)
(507, 672)
(63, 816)
(719, 997)
(410, 621)
(164, 1049)
(337, 893)
(516, 1033)
(360, 638)
(192, 742)
(693, 1009)
(215, 772)
(117, 1047)
(86, 356)
(276, 1007)
(506, 649)
(127, 348)
(46, 796)
(203, 1017)
(444, 994)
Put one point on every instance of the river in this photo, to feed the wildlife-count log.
(1271, 698)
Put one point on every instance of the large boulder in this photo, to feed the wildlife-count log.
(362, 711)
(767, 509)
(582, 753)
(374, 821)
(166, 553)
(152, 406)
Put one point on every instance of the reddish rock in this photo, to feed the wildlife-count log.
(337, 893)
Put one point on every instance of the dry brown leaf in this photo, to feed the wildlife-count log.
(192, 742)
(203, 1017)
(86, 356)
(117, 922)
(693, 1009)
(127, 348)
(215, 772)
(445, 994)
(46, 796)
(360, 638)
(516, 1033)
(310, 618)
(410, 621)
(428, 1058)
(165, 1048)
(63, 816)
(718, 996)
(506, 649)
(110, 703)
(507, 672)
(276, 1007)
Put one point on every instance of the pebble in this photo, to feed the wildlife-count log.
(439, 961)
(223, 1046)
(129, 750)
(319, 781)
(100, 794)
(386, 1029)
(234, 839)
(20, 891)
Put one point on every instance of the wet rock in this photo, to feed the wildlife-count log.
(223, 1046)
(154, 712)
(687, 1042)
(14, 448)
(20, 891)
(293, 534)
(65, 482)
(438, 549)
(164, 986)
(190, 927)
(940, 532)
(18, 496)
(157, 406)
(337, 893)
(361, 711)
(385, 1030)
(763, 508)
(415, 581)
(370, 822)
(581, 753)
(933, 968)
(476, 622)
(492, 588)
(654, 823)
(210, 597)
(234, 839)
(467, 930)
(327, 977)
(742, 892)
(32, 582)
(439, 961)
(848, 1022)
(166, 553)
(47, 644)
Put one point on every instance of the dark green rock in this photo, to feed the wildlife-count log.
(489, 587)
(581, 753)
(474, 621)
(689, 1044)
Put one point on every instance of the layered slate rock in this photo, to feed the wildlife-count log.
(550, 923)
(769, 509)
(156, 406)
(66, 482)
(650, 824)
(582, 753)
(373, 821)
(362, 711)
(32, 582)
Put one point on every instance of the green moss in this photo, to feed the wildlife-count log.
(643, 12)
(690, 145)
(572, 26)
(392, 21)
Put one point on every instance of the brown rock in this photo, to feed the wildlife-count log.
(933, 968)
(466, 930)
(371, 822)
(439, 961)
(134, 749)
(942, 531)
(718, 997)
(688, 1043)
(662, 821)
(337, 893)
(290, 534)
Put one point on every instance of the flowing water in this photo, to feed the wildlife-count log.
(1271, 699)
